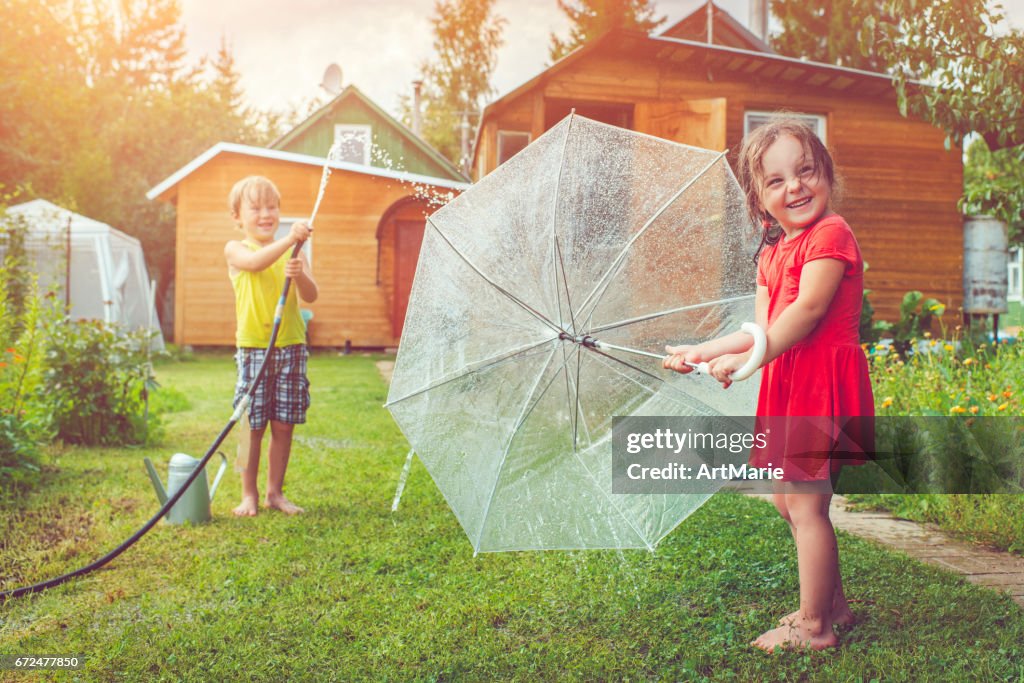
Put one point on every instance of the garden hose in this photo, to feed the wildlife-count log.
(200, 469)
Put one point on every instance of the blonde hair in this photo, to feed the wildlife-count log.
(255, 188)
(751, 170)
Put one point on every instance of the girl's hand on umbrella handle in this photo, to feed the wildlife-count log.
(679, 357)
(723, 367)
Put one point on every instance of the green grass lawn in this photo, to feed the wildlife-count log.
(350, 591)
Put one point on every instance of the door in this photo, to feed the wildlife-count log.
(700, 123)
(408, 239)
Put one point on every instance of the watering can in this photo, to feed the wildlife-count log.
(194, 504)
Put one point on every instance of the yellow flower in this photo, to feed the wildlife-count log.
(933, 343)
(880, 347)
(887, 402)
(927, 335)
(968, 361)
(957, 410)
(974, 410)
(992, 398)
(948, 347)
(1002, 406)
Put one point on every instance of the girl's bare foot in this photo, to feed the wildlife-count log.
(797, 635)
(279, 502)
(840, 617)
(248, 507)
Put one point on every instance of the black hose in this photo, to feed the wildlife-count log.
(200, 469)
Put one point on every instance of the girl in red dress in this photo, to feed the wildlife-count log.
(810, 284)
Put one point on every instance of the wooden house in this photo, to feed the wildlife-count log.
(367, 231)
(901, 184)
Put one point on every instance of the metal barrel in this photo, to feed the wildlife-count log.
(986, 257)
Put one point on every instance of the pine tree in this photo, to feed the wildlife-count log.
(592, 18)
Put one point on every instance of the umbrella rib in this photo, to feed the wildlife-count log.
(528, 407)
(565, 285)
(472, 368)
(526, 307)
(602, 284)
(648, 374)
(554, 233)
(659, 314)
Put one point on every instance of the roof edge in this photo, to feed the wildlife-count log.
(230, 147)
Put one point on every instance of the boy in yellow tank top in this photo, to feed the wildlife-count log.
(257, 266)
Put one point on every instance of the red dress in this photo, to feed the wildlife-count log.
(815, 400)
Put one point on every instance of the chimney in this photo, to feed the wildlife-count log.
(759, 18)
(417, 85)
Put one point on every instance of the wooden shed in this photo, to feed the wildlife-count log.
(901, 184)
(367, 231)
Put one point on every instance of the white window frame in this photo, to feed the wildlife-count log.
(284, 226)
(502, 134)
(361, 129)
(818, 122)
(1015, 275)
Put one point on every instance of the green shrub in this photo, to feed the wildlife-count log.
(24, 422)
(97, 379)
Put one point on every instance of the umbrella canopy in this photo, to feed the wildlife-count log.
(592, 230)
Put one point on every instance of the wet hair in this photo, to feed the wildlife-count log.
(255, 188)
(751, 171)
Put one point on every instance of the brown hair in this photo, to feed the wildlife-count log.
(254, 187)
(751, 171)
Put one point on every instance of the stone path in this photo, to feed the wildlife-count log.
(998, 570)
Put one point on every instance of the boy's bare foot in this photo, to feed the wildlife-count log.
(840, 617)
(248, 507)
(797, 635)
(279, 502)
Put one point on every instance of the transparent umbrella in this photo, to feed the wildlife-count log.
(592, 232)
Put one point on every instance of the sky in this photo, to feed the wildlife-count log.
(282, 48)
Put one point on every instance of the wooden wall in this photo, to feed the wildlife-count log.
(901, 186)
(351, 304)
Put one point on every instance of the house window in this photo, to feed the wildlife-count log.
(753, 119)
(354, 142)
(285, 226)
(510, 143)
(1015, 288)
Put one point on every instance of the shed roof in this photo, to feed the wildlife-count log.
(163, 190)
(725, 30)
(352, 93)
(684, 54)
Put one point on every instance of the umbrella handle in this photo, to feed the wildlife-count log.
(756, 353)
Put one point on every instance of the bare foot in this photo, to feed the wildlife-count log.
(248, 508)
(279, 502)
(796, 636)
(840, 617)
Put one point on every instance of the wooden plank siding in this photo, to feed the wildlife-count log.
(352, 304)
(900, 186)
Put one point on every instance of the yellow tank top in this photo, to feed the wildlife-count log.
(256, 297)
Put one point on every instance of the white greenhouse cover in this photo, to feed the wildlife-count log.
(109, 280)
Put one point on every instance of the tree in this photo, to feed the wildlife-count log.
(821, 31)
(975, 69)
(97, 105)
(977, 74)
(592, 18)
(457, 82)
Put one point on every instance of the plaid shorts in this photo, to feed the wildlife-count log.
(283, 394)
